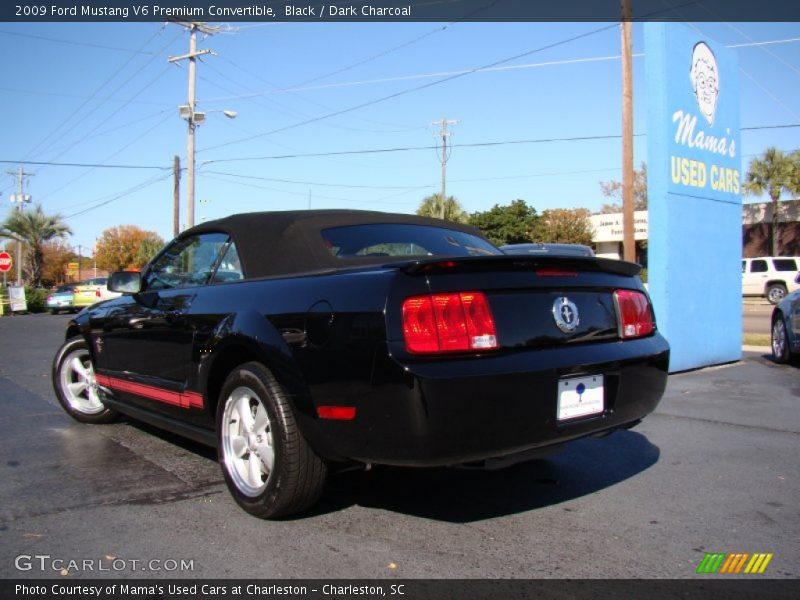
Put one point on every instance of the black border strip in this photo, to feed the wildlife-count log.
(705, 588)
(233, 11)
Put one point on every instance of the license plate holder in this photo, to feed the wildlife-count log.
(579, 397)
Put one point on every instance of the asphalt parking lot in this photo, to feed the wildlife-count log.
(714, 469)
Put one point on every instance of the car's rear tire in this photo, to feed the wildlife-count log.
(780, 341)
(269, 468)
(75, 384)
(776, 292)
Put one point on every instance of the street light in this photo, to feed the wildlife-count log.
(194, 118)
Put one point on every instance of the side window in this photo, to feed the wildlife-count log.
(744, 266)
(186, 262)
(758, 266)
(785, 264)
(230, 268)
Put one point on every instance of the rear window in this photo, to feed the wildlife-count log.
(785, 264)
(398, 240)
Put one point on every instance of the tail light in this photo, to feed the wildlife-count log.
(633, 314)
(97, 294)
(456, 322)
(49, 298)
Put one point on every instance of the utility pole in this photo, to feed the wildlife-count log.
(188, 111)
(176, 196)
(20, 198)
(628, 240)
(444, 157)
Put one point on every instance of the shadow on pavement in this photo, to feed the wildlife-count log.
(463, 496)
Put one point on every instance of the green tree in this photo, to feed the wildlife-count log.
(772, 174)
(34, 228)
(148, 248)
(510, 224)
(564, 226)
(126, 247)
(613, 189)
(431, 206)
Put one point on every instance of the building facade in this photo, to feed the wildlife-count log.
(756, 224)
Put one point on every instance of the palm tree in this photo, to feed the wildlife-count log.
(34, 228)
(431, 206)
(771, 174)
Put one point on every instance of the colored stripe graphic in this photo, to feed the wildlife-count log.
(723, 563)
(759, 562)
(711, 562)
(180, 399)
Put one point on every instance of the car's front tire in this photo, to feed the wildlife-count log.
(75, 384)
(776, 292)
(269, 468)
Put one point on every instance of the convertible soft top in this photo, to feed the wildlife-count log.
(279, 243)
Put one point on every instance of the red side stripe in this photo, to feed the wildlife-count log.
(181, 399)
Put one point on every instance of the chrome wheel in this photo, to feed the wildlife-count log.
(779, 340)
(776, 293)
(78, 383)
(247, 449)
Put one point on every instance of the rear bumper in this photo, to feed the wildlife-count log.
(58, 303)
(460, 410)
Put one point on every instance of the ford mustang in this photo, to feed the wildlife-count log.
(299, 342)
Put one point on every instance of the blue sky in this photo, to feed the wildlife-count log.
(105, 94)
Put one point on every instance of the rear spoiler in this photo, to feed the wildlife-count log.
(509, 262)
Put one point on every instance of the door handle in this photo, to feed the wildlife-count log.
(165, 317)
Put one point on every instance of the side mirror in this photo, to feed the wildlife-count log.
(125, 282)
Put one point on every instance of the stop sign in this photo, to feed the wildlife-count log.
(5, 262)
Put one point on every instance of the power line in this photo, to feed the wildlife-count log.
(318, 184)
(78, 96)
(398, 47)
(72, 42)
(413, 76)
(414, 148)
(80, 107)
(126, 103)
(361, 151)
(136, 188)
(130, 143)
(136, 121)
(252, 95)
(414, 89)
(90, 165)
(304, 194)
(437, 82)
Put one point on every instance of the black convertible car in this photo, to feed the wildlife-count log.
(298, 341)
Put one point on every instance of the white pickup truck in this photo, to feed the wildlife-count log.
(770, 276)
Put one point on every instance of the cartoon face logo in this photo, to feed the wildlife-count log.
(705, 80)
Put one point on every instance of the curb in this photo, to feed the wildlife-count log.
(746, 348)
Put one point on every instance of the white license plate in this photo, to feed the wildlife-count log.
(580, 397)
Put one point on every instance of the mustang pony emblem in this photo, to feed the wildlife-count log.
(565, 314)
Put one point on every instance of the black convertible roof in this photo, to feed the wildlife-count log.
(287, 242)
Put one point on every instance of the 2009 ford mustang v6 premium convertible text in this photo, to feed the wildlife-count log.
(297, 341)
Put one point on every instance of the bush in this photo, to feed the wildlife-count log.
(36, 299)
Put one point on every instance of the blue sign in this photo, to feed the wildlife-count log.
(694, 195)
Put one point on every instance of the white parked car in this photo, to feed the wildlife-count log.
(770, 276)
